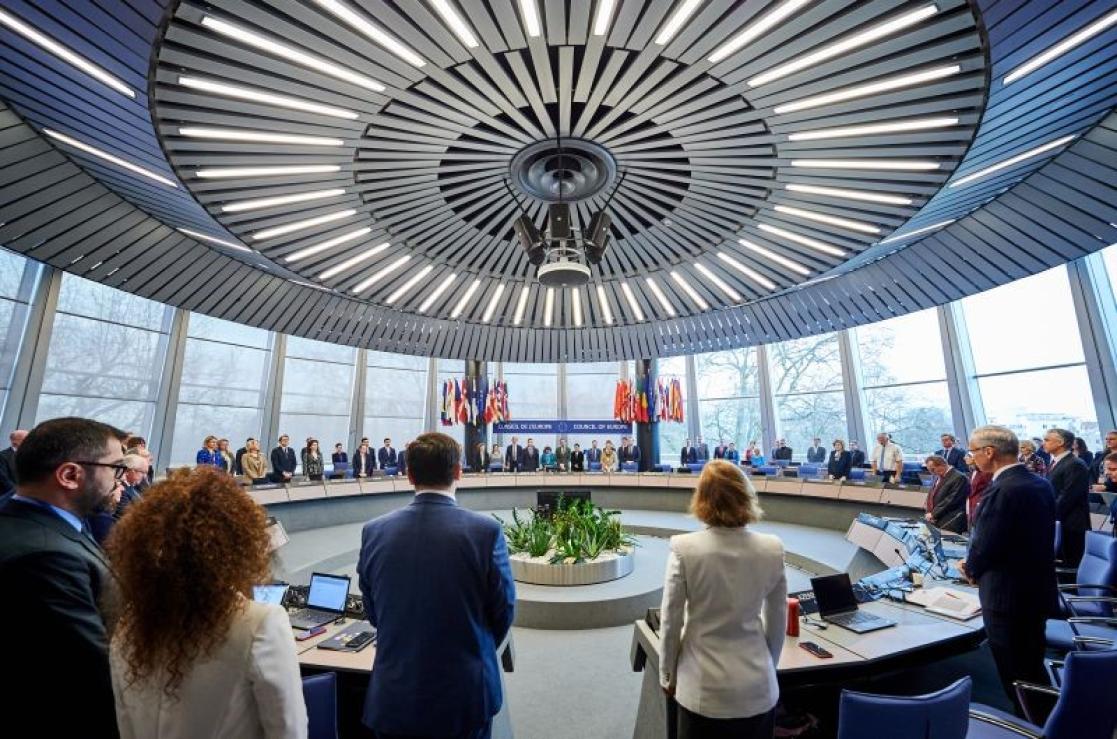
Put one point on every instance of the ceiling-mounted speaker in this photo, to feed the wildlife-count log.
(558, 221)
(530, 239)
(597, 236)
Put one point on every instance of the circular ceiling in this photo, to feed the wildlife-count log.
(382, 150)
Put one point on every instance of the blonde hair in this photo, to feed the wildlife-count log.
(725, 496)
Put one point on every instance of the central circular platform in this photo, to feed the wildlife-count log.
(538, 571)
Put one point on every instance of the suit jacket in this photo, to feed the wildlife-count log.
(253, 675)
(719, 452)
(339, 457)
(56, 581)
(283, 460)
(726, 665)
(1071, 480)
(948, 507)
(956, 458)
(856, 457)
(689, 455)
(816, 454)
(839, 464)
(529, 459)
(439, 620)
(593, 455)
(703, 452)
(513, 458)
(577, 461)
(387, 457)
(363, 463)
(629, 454)
(7, 471)
(238, 466)
(783, 452)
(1011, 554)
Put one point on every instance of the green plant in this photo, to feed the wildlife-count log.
(574, 530)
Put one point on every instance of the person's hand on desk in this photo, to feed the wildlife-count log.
(929, 518)
(1098, 488)
(965, 572)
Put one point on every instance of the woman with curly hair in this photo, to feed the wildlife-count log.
(192, 655)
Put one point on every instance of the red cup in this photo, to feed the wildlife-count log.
(793, 617)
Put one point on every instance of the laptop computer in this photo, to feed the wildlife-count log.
(836, 605)
(325, 601)
(273, 594)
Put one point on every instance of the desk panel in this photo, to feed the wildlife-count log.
(865, 536)
(342, 489)
(914, 630)
(821, 490)
(268, 496)
(908, 497)
(308, 491)
(860, 493)
(784, 486)
(373, 486)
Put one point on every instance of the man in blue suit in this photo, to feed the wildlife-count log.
(1012, 557)
(387, 455)
(438, 588)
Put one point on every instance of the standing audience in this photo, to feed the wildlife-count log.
(954, 455)
(339, 456)
(228, 461)
(840, 462)
(208, 456)
(577, 459)
(887, 459)
(1070, 477)
(253, 463)
(314, 465)
(816, 454)
(1028, 457)
(193, 655)
(283, 462)
(1082, 451)
(364, 461)
(387, 456)
(8, 464)
(609, 458)
(946, 502)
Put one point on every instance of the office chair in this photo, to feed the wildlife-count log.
(940, 715)
(594, 466)
(320, 694)
(1085, 708)
(630, 467)
(1089, 602)
(857, 473)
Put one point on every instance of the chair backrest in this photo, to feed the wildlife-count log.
(391, 470)
(857, 473)
(495, 467)
(941, 715)
(696, 466)
(630, 466)
(320, 694)
(1086, 709)
(1099, 563)
(595, 466)
(1059, 538)
(768, 469)
(808, 470)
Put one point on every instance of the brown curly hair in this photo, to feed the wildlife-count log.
(186, 555)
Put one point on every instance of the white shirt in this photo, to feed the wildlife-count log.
(1056, 457)
(893, 455)
(723, 618)
(249, 688)
(448, 493)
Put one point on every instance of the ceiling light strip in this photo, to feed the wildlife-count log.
(855, 41)
(757, 29)
(456, 23)
(721, 284)
(682, 14)
(871, 88)
(663, 301)
(875, 129)
(810, 215)
(265, 98)
(1062, 47)
(1012, 161)
(360, 23)
(111, 158)
(549, 307)
(438, 292)
(329, 244)
(806, 241)
(837, 192)
(256, 137)
(772, 256)
(632, 304)
(530, 15)
(576, 302)
(690, 291)
(282, 171)
(411, 282)
(603, 16)
(269, 233)
(521, 305)
(867, 164)
(368, 282)
(65, 54)
(493, 302)
(749, 272)
(291, 54)
(351, 262)
(214, 239)
(460, 307)
(916, 232)
(302, 197)
(603, 301)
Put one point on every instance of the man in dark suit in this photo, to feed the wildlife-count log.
(283, 461)
(954, 455)
(689, 454)
(1011, 558)
(856, 455)
(387, 456)
(703, 450)
(364, 461)
(782, 451)
(514, 456)
(237, 468)
(816, 454)
(57, 580)
(593, 454)
(530, 457)
(435, 671)
(1099, 481)
(946, 502)
(629, 452)
(8, 464)
(1070, 477)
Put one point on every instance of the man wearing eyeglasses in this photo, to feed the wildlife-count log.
(56, 579)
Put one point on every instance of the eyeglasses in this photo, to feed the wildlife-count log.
(118, 469)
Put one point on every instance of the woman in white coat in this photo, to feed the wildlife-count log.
(192, 655)
(720, 664)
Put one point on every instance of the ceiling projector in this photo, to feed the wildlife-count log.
(563, 253)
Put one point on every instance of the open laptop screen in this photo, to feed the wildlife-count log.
(834, 593)
(328, 592)
(269, 594)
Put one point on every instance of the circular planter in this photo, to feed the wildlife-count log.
(538, 571)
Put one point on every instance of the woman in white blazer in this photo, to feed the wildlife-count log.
(192, 655)
(728, 583)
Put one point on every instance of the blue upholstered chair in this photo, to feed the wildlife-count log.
(768, 469)
(781, 462)
(941, 715)
(1085, 708)
(320, 694)
(663, 468)
(594, 466)
(391, 471)
(857, 473)
(1089, 602)
(630, 467)
(695, 466)
(808, 470)
(496, 467)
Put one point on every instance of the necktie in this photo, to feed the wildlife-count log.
(930, 505)
(882, 458)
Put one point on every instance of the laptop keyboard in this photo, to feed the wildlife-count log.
(852, 619)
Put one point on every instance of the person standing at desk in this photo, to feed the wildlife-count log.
(530, 458)
(945, 507)
(57, 580)
(364, 461)
(1070, 478)
(888, 459)
(1011, 559)
(688, 455)
(593, 454)
(8, 464)
(435, 672)
(283, 460)
(514, 456)
(339, 456)
(840, 462)
(253, 464)
(856, 454)
(609, 458)
(577, 459)
(386, 456)
(730, 583)
(562, 456)
(816, 454)
(629, 452)
(192, 656)
(954, 455)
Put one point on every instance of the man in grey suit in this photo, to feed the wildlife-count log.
(1070, 477)
(703, 450)
(946, 503)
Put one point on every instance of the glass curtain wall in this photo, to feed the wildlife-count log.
(728, 399)
(224, 383)
(807, 383)
(590, 390)
(395, 398)
(533, 395)
(18, 278)
(671, 435)
(106, 356)
(317, 393)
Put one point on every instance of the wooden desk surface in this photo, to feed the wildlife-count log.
(327, 659)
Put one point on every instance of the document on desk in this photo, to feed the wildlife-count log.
(947, 602)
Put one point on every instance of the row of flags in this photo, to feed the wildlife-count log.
(474, 401)
(635, 402)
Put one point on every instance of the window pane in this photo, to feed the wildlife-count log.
(1031, 402)
(395, 398)
(915, 415)
(806, 365)
(728, 374)
(93, 300)
(901, 350)
(590, 397)
(322, 388)
(204, 327)
(804, 417)
(11, 273)
(404, 361)
(297, 346)
(193, 423)
(223, 374)
(735, 420)
(127, 415)
(1040, 308)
